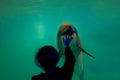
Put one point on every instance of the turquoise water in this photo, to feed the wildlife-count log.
(27, 25)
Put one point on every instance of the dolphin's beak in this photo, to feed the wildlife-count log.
(86, 52)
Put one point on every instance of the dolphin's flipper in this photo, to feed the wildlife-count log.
(86, 52)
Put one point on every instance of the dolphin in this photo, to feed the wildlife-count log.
(76, 46)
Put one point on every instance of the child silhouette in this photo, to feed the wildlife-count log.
(47, 57)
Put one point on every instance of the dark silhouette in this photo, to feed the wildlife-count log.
(47, 57)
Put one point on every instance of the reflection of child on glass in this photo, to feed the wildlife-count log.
(47, 57)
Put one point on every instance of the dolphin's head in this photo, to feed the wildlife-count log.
(67, 29)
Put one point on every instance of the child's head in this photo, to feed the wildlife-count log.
(47, 57)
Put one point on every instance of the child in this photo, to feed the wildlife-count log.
(48, 57)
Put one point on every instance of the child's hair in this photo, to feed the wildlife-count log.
(47, 57)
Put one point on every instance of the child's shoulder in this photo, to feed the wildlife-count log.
(38, 77)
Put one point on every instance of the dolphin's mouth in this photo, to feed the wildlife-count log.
(69, 32)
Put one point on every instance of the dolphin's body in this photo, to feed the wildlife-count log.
(75, 45)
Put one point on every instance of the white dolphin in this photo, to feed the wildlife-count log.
(76, 46)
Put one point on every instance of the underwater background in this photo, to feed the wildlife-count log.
(27, 25)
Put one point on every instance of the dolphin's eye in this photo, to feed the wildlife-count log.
(64, 33)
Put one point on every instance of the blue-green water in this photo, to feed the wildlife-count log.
(26, 25)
